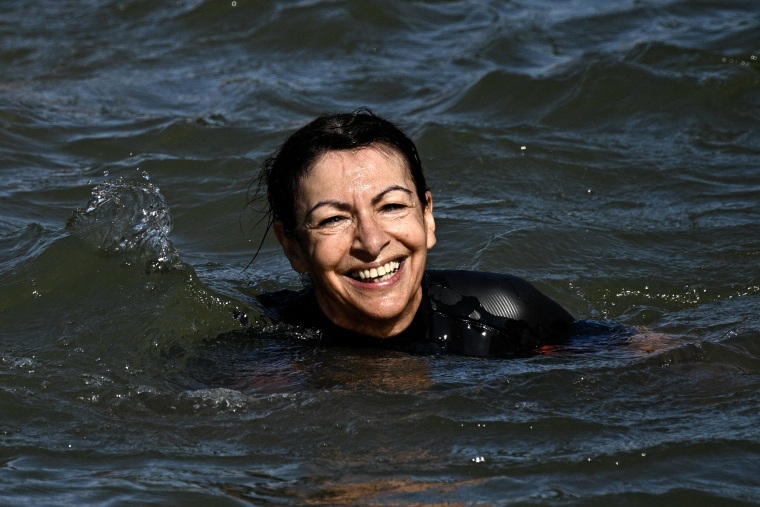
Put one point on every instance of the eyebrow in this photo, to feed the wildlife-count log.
(344, 206)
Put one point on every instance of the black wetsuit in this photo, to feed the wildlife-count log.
(464, 312)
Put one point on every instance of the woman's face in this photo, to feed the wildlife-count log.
(362, 235)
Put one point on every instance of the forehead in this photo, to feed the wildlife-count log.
(342, 169)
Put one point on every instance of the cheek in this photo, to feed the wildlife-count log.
(326, 253)
(413, 233)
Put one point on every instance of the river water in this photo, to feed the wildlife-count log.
(608, 152)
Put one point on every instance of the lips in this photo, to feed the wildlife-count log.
(378, 274)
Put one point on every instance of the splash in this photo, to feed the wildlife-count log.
(128, 218)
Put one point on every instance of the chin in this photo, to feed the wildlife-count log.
(397, 317)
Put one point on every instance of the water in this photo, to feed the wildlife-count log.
(607, 152)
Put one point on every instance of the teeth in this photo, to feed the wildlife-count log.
(379, 274)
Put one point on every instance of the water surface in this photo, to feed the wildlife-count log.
(606, 152)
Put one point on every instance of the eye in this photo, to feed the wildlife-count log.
(393, 206)
(331, 222)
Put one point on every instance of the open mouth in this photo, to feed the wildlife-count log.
(378, 274)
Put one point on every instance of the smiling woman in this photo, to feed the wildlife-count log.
(363, 237)
(349, 205)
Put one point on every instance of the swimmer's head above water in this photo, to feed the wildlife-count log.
(349, 205)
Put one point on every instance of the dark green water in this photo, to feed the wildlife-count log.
(607, 152)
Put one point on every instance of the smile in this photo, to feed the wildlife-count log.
(378, 274)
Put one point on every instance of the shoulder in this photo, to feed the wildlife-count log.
(295, 307)
(500, 312)
(498, 294)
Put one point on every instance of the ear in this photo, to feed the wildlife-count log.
(429, 220)
(291, 247)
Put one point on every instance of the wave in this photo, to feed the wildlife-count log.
(130, 218)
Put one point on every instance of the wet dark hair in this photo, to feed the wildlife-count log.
(282, 173)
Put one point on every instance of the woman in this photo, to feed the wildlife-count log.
(349, 205)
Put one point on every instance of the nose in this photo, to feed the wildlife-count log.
(370, 237)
